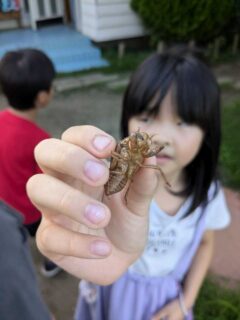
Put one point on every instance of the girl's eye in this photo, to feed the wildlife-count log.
(145, 119)
(181, 123)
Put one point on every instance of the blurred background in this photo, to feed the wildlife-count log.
(95, 45)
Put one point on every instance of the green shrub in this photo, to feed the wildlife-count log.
(230, 155)
(182, 21)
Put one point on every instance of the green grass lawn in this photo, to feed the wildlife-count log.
(230, 151)
(217, 303)
(128, 63)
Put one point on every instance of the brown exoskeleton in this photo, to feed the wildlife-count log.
(128, 158)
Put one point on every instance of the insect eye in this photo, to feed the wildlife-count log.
(139, 136)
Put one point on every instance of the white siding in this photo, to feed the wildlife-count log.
(104, 20)
(8, 24)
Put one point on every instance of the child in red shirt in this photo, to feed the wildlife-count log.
(26, 78)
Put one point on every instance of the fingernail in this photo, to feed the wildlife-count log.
(94, 170)
(100, 142)
(94, 213)
(100, 248)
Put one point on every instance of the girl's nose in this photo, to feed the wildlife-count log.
(163, 135)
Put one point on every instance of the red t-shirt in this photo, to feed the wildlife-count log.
(18, 138)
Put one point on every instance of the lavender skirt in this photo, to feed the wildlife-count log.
(136, 297)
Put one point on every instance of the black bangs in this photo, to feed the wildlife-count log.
(147, 89)
(195, 90)
(196, 93)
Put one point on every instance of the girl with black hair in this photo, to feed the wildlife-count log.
(175, 98)
(157, 247)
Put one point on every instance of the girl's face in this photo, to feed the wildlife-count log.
(183, 140)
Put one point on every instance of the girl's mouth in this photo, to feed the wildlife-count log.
(163, 158)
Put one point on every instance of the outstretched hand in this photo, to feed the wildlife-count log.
(88, 234)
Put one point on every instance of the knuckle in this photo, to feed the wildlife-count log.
(69, 132)
(72, 131)
(32, 185)
(67, 155)
(43, 238)
(74, 247)
(67, 200)
(79, 130)
(68, 159)
(89, 127)
(41, 146)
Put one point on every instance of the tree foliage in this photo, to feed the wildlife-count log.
(185, 20)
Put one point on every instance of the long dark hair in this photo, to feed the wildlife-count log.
(197, 101)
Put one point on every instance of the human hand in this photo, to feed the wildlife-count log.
(92, 236)
(171, 311)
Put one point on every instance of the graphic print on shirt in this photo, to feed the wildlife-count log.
(161, 240)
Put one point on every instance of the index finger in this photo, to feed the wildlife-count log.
(92, 139)
(78, 155)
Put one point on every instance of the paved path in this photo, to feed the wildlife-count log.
(227, 76)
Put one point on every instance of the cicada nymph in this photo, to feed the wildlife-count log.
(128, 158)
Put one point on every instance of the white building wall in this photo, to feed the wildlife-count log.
(104, 20)
(8, 24)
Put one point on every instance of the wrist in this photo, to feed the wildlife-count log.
(182, 305)
(188, 300)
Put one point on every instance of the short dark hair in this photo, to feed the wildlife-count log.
(197, 101)
(23, 74)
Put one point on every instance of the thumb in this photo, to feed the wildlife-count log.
(143, 187)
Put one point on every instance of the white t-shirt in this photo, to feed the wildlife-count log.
(169, 236)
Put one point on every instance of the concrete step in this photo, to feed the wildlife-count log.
(69, 50)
